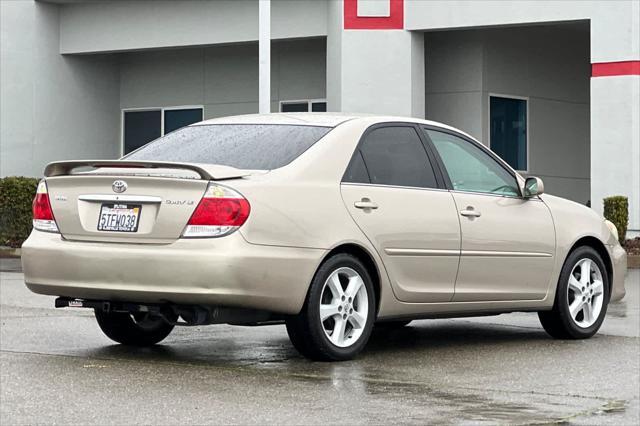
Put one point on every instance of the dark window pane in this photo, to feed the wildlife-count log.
(177, 118)
(470, 168)
(356, 172)
(140, 127)
(396, 156)
(295, 107)
(319, 107)
(244, 146)
(509, 130)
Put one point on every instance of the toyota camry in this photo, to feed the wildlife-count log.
(331, 224)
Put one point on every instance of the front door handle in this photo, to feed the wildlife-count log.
(470, 212)
(365, 203)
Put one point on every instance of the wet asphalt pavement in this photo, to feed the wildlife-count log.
(57, 367)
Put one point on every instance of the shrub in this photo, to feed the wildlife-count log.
(16, 196)
(616, 210)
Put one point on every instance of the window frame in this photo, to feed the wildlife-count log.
(441, 184)
(526, 103)
(309, 102)
(483, 148)
(123, 112)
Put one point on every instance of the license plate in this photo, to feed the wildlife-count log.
(119, 217)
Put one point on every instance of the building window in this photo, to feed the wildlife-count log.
(508, 130)
(141, 126)
(314, 105)
(180, 117)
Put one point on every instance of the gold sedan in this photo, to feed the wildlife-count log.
(330, 223)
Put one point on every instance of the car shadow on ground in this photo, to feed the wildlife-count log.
(419, 339)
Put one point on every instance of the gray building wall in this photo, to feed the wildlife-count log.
(224, 79)
(464, 67)
(69, 106)
(111, 26)
(52, 106)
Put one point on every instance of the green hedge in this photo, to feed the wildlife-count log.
(16, 196)
(616, 210)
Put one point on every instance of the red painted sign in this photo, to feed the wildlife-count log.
(395, 20)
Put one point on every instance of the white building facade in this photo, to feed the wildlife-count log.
(551, 86)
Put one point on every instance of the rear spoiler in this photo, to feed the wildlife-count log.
(206, 171)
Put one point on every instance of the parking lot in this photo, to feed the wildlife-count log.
(57, 367)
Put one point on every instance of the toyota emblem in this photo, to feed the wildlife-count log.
(119, 186)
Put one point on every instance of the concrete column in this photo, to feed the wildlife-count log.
(615, 143)
(334, 56)
(378, 71)
(264, 56)
(615, 115)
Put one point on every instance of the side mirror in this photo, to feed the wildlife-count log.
(533, 186)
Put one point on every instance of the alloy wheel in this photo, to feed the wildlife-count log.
(585, 293)
(344, 307)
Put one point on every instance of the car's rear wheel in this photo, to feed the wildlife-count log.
(133, 329)
(338, 315)
(581, 297)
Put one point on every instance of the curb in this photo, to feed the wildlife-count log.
(9, 252)
(633, 261)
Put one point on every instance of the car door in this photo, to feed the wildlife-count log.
(508, 242)
(398, 200)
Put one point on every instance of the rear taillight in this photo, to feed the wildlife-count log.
(220, 212)
(43, 219)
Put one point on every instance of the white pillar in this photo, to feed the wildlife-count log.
(615, 113)
(376, 71)
(264, 56)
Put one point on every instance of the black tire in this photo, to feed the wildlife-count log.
(389, 325)
(306, 330)
(558, 322)
(122, 328)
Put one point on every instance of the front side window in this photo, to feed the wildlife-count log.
(471, 169)
(395, 156)
(243, 146)
(508, 130)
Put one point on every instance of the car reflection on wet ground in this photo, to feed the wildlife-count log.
(56, 366)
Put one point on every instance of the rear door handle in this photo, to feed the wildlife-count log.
(470, 212)
(365, 203)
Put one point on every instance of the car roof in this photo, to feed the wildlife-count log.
(323, 119)
(299, 118)
(329, 119)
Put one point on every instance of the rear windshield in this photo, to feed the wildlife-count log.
(244, 146)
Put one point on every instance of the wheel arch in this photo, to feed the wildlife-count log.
(367, 259)
(599, 247)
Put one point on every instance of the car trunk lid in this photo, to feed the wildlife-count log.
(128, 201)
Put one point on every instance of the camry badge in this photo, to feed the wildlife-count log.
(119, 186)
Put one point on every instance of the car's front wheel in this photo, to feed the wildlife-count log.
(133, 329)
(581, 297)
(338, 315)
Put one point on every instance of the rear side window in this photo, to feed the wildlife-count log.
(357, 171)
(396, 156)
(244, 146)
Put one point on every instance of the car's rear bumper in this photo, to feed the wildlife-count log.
(619, 261)
(226, 271)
